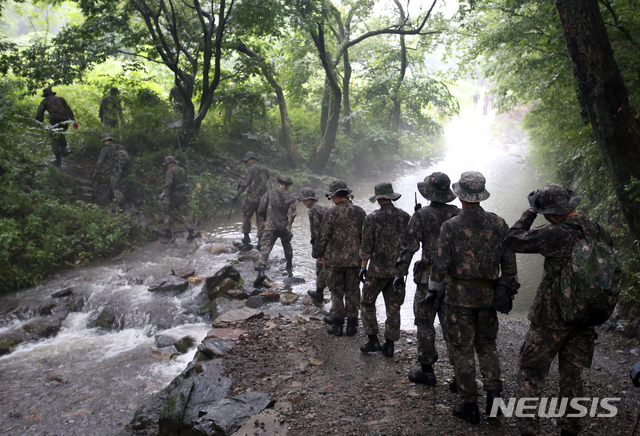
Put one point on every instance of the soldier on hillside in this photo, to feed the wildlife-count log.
(60, 116)
(317, 213)
(174, 197)
(277, 210)
(470, 251)
(110, 112)
(424, 228)
(120, 165)
(255, 182)
(381, 242)
(548, 334)
(337, 248)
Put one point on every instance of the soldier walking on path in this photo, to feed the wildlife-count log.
(277, 209)
(470, 251)
(549, 335)
(174, 197)
(476, 97)
(255, 182)
(110, 111)
(317, 213)
(381, 242)
(338, 248)
(120, 165)
(60, 116)
(424, 228)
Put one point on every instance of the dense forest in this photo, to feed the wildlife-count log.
(318, 88)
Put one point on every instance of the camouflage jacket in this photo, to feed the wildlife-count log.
(317, 213)
(255, 182)
(555, 243)
(338, 242)
(470, 247)
(110, 111)
(278, 209)
(424, 228)
(382, 239)
(115, 153)
(175, 181)
(58, 110)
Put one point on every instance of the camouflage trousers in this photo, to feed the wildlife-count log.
(345, 291)
(469, 328)
(574, 348)
(115, 184)
(248, 209)
(59, 139)
(321, 282)
(176, 202)
(268, 240)
(424, 316)
(393, 299)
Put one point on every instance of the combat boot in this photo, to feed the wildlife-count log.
(246, 239)
(467, 411)
(388, 348)
(260, 279)
(424, 375)
(289, 267)
(167, 234)
(491, 397)
(352, 326)
(317, 295)
(372, 346)
(192, 235)
(329, 319)
(453, 386)
(58, 159)
(336, 328)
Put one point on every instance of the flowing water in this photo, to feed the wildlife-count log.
(86, 381)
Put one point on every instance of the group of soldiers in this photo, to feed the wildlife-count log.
(467, 254)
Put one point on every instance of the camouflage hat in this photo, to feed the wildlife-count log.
(556, 200)
(46, 92)
(106, 137)
(170, 159)
(471, 188)
(336, 186)
(114, 90)
(285, 180)
(384, 190)
(250, 155)
(307, 194)
(436, 187)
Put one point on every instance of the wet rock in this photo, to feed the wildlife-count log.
(47, 309)
(108, 319)
(632, 331)
(185, 344)
(12, 337)
(196, 280)
(256, 301)
(183, 273)
(171, 283)
(62, 293)
(270, 295)
(238, 316)
(212, 348)
(212, 284)
(218, 249)
(75, 303)
(4, 349)
(43, 327)
(292, 281)
(163, 341)
(228, 415)
(225, 334)
(268, 423)
(239, 294)
(166, 353)
(226, 285)
(289, 298)
(223, 305)
(252, 256)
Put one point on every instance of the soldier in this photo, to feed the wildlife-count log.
(255, 182)
(424, 229)
(317, 213)
(381, 242)
(60, 115)
(338, 249)
(110, 112)
(548, 334)
(277, 210)
(174, 197)
(120, 164)
(470, 251)
(476, 97)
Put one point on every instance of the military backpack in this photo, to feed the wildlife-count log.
(588, 287)
(120, 155)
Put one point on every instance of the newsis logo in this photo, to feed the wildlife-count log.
(549, 408)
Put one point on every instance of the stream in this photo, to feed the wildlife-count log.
(88, 381)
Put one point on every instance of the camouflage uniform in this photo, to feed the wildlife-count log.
(110, 112)
(317, 212)
(548, 334)
(59, 115)
(175, 197)
(381, 240)
(278, 210)
(338, 246)
(470, 250)
(255, 182)
(118, 158)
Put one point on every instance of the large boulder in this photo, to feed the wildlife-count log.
(170, 283)
(109, 319)
(237, 316)
(42, 327)
(213, 283)
(228, 415)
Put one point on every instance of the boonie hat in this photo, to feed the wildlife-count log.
(285, 180)
(436, 187)
(384, 190)
(336, 186)
(47, 92)
(106, 137)
(307, 194)
(169, 159)
(250, 155)
(556, 200)
(471, 188)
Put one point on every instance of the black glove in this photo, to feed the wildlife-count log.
(532, 199)
(363, 274)
(417, 207)
(398, 282)
(430, 299)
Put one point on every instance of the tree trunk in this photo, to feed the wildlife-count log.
(346, 79)
(325, 106)
(606, 97)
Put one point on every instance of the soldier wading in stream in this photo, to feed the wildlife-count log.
(174, 197)
(381, 241)
(317, 213)
(337, 248)
(470, 251)
(277, 209)
(255, 182)
(424, 228)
